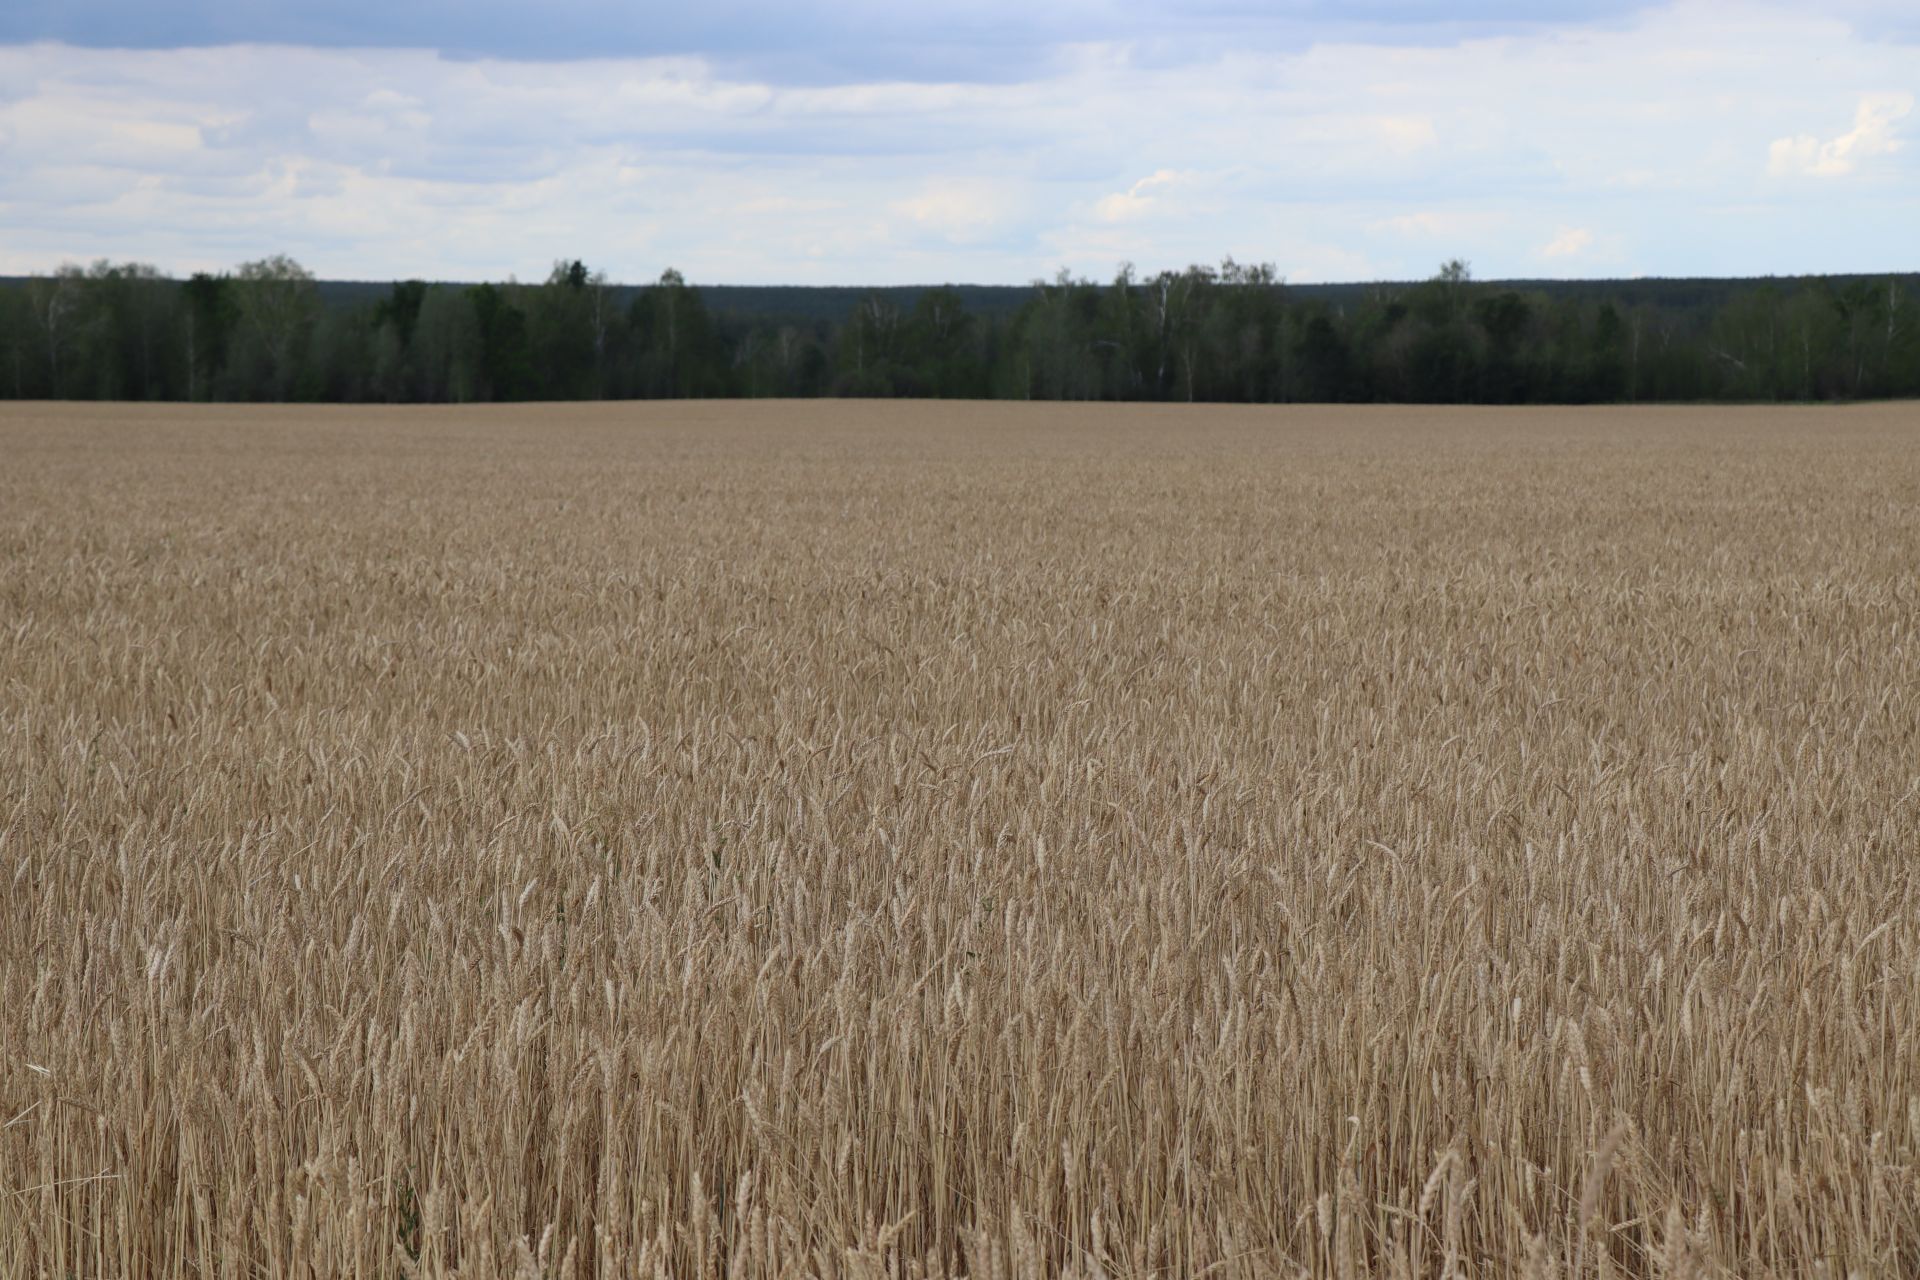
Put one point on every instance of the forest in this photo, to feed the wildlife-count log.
(269, 331)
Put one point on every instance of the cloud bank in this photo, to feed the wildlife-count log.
(1874, 133)
(1698, 138)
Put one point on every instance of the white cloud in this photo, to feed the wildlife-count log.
(1569, 242)
(1120, 206)
(1873, 134)
(1338, 158)
(960, 210)
(1407, 133)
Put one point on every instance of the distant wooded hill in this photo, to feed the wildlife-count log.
(270, 331)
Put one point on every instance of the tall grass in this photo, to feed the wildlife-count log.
(921, 840)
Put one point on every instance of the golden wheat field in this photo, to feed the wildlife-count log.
(915, 840)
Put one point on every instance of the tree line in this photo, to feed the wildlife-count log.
(1231, 332)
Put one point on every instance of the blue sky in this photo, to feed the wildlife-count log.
(992, 141)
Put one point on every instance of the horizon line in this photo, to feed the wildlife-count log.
(1279, 281)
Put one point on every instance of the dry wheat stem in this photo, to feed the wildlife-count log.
(931, 840)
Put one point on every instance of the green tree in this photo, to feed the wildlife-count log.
(19, 358)
(208, 316)
(1606, 381)
(1504, 318)
(680, 351)
(448, 348)
(133, 326)
(401, 309)
(1178, 300)
(943, 352)
(872, 350)
(1902, 350)
(1123, 338)
(1054, 350)
(1750, 347)
(394, 374)
(784, 360)
(277, 304)
(1241, 334)
(506, 356)
(571, 327)
(1324, 361)
(55, 306)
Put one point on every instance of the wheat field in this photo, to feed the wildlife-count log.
(914, 840)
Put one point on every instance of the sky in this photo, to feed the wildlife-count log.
(991, 141)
